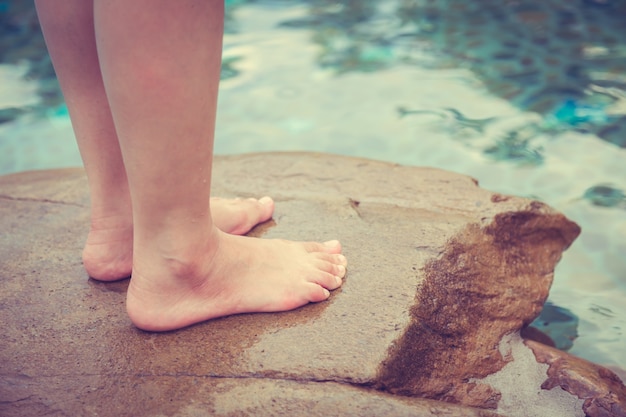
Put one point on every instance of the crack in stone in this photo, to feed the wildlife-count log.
(252, 376)
(42, 200)
(362, 385)
(192, 375)
(17, 400)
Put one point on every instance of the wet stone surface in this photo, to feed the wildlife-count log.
(440, 271)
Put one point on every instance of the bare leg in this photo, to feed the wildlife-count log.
(68, 27)
(160, 61)
(69, 32)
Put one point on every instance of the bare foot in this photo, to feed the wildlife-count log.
(238, 216)
(230, 275)
(108, 252)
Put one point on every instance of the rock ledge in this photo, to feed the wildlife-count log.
(442, 276)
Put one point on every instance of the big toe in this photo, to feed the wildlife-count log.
(265, 209)
(331, 247)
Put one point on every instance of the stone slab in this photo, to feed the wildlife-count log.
(440, 271)
(186, 395)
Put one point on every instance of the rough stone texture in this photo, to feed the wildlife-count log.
(602, 390)
(440, 270)
(199, 395)
(492, 280)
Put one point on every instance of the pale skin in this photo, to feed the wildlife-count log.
(140, 80)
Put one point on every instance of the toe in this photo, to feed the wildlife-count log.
(315, 247)
(317, 293)
(266, 208)
(330, 247)
(338, 259)
(331, 268)
(327, 275)
(337, 270)
(329, 280)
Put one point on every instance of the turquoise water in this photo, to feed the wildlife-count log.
(527, 97)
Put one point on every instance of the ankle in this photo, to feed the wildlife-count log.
(176, 254)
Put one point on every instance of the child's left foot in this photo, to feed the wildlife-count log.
(108, 252)
(238, 216)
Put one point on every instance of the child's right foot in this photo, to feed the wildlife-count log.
(229, 275)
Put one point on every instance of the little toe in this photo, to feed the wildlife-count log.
(317, 293)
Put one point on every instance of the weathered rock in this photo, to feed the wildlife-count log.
(440, 271)
(602, 390)
(488, 282)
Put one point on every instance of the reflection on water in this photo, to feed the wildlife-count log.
(529, 97)
(560, 324)
(515, 145)
(605, 196)
(21, 43)
(565, 60)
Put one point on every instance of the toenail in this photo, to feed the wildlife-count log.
(331, 243)
(326, 293)
(342, 259)
(265, 200)
(338, 279)
(342, 270)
